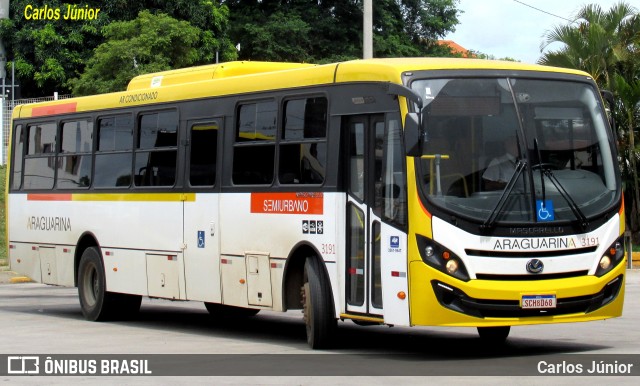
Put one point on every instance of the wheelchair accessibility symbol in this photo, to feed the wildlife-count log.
(200, 239)
(544, 210)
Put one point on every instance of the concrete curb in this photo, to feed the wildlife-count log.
(20, 279)
(10, 277)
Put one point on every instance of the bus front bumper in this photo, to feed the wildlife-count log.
(440, 300)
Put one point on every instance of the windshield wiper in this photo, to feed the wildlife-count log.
(536, 148)
(491, 220)
(584, 223)
(546, 171)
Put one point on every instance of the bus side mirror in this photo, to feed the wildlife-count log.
(412, 135)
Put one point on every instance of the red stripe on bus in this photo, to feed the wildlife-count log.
(55, 109)
(49, 197)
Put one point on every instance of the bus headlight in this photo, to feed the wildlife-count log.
(605, 262)
(611, 258)
(452, 267)
(428, 251)
(440, 258)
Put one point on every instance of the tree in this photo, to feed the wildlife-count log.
(326, 31)
(265, 40)
(593, 42)
(628, 117)
(607, 45)
(48, 53)
(150, 43)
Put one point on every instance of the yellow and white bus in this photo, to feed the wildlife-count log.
(406, 192)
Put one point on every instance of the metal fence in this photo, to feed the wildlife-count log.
(7, 110)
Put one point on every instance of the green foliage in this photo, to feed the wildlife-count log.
(47, 52)
(150, 43)
(63, 55)
(50, 53)
(606, 44)
(266, 39)
(596, 42)
(326, 31)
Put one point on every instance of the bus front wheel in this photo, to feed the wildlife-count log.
(494, 334)
(317, 307)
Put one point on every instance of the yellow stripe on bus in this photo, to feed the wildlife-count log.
(134, 197)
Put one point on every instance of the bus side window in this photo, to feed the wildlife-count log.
(204, 149)
(156, 149)
(113, 154)
(39, 163)
(254, 150)
(74, 160)
(303, 148)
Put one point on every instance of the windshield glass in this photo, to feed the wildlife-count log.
(478, 131)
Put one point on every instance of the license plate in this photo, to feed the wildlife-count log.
(538, 301)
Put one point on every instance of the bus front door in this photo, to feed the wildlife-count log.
(363, 277)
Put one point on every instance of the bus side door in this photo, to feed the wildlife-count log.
(376, 219)
(201, 211)
(363, 285)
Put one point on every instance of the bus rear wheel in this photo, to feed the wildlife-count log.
(317, 307)
(95, 302)
(494, 334)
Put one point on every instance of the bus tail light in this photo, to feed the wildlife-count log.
(612, 257)
(440, 258)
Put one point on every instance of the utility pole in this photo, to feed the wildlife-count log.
(367, 30)
(4, 14)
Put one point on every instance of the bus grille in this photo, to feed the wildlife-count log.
(456, 300)
(530, 254)
(529, 277)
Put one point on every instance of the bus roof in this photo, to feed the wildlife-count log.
(208, 72)
(245, 77)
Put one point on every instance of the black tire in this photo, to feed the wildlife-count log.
(495, 335)
(317, 307)
(95, 302)
(230, 312)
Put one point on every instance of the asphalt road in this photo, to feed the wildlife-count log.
(270, 348)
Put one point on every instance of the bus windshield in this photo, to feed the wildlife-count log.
(516, 150)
